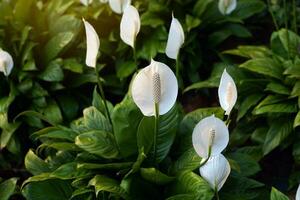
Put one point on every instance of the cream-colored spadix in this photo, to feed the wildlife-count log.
(298, 193)
(118, 6)
(210, 132)
(130, 25)
(92, 43)
(6, 62)
(227, 6)
(216, 171)
(175, 39)
(86, 2)
(227, 92)
(155, 83)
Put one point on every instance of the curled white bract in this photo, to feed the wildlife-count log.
(92, 43)
(227, 6)
(227, 92)
(6, 62)
(130, 25)
(86, 2)
(155, 83)
(215, 171)
(175, 39)
(298, 193)
(118, 6)
(210, 132)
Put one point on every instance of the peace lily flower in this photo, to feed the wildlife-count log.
(86, 2)
(210, 137)
(216, 171)
(298, 193)
(118, 6)
(227, 6)
(93, 44)
(6, 62)
(130, 25)
(227, 92)
(155, 84)
(175, 39)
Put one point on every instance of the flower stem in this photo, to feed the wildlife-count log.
(103, 98)
(135, 59)
(156, 127)
(295, 17)
(286, 28)
(209, 154)
(227, 122)
(272, 15)
(177, 68)
(217, 194)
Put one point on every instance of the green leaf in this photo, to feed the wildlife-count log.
(53, 72)
(297, 120)
(247, 165)
(95, 120)
(250, 51)
(126, 118)
(290, 41)
(145, 134)
(125, 68)
(275, 104)
(247, 8)
(58, 132)
(22, 10)
(49, 189)
(192, 22)
(191, 183)
(277, 195)
(155, 176)
(57, 45)
(278, 88)
(265, 66)
(97, 142)
(104, 183)
(182, 197)
(7, 188)
(188, 161)
(34, 164)
(279, 130)
(108, 166)
(200, 7)
(248, 102)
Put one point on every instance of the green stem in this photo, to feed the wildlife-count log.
(103, 98)
(286, 27)
(227, 122)
(272, 15)
(295, 17)
(217, 194)
(177, 68)
(156, 127)
(209, 154)
(135, 59)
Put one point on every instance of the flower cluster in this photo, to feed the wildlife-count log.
(211, 136)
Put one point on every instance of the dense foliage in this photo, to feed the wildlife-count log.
(62, 139)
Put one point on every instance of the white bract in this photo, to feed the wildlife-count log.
(6, 62)
(210, 133)
(227, 6)
(298, 193)
(130, 25)
(175, 39)
(227, 92)
(155, 83)
(86, 2)
(118, 6)
(216, 171)
(103, 1)
(93, 44)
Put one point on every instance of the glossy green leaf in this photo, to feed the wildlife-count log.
(34, 164)
(155, 176)
(7, 188)
(97, 142)
(277, 195)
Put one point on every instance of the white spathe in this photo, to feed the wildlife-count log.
(227, 92)
(118, 6)
(142, 89)
(6, 62)
(175, 39)
(215, 171)
(227, 6)
(130, 25)
(103, 1)
(93, 44)
(86, 2)
(210, 131)
(298, 193)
